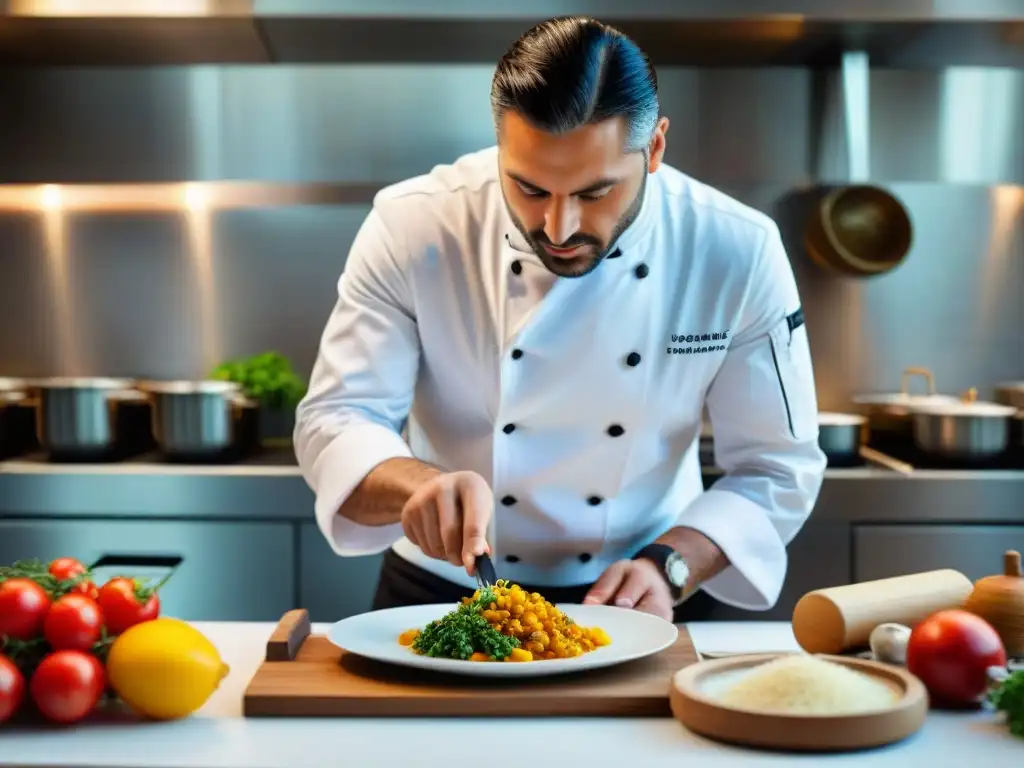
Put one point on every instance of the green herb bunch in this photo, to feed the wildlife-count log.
(267, 378)
(463, 632)
(1008, 697)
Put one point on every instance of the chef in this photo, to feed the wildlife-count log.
(524, 342)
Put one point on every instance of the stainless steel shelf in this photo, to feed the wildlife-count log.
(697, 33)
(179, 197)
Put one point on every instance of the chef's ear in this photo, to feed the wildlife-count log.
(656, 149)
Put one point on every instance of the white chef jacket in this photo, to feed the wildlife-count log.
(578, 399)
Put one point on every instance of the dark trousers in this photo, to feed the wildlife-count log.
(402, 583)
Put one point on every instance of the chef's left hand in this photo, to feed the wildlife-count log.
(637, 584)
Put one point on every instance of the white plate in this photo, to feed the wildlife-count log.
(633, 636)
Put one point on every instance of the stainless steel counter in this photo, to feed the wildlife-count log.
(271, 488)
(251, 549)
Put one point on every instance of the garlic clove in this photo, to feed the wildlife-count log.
(888, 643)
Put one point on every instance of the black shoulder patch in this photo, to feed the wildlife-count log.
(796, 319)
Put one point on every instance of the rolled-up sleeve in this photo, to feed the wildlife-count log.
(361, 386)
(764, 413)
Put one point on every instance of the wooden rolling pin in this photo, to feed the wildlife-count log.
(840, 619)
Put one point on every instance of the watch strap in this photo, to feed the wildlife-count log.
(659, 554)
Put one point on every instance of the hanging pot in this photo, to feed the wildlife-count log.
(859, 229)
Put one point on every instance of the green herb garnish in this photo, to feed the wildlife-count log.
(1008, 697)
(463, 632)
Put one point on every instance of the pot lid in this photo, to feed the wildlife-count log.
(82, 382)
(189, 387)
(903, 398)
(961, 408)
(12, 385)
(831, 419)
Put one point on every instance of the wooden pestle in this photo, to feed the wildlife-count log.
(840, 619)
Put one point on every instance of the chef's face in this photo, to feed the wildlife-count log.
(572, 195)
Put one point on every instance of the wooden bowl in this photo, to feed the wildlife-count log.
(695, 704)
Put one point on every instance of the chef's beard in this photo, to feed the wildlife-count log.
(597, 250)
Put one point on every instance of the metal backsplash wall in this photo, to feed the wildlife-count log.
(130, 296)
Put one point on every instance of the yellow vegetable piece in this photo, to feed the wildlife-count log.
(408, 637)
(165, 668)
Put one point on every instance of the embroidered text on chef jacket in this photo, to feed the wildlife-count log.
(578, 399)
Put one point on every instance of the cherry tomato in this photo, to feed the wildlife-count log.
(12, 688)
(73, 623)
(23, 606)
(67, 685)
(951, 652)
(67, 568)
(125, 603)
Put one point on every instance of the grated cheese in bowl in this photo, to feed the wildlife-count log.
(802, 684)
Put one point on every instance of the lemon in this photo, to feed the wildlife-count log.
(164, 668)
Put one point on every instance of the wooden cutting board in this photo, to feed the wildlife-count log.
(305, 675)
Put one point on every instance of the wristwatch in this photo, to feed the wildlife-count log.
(671, 564)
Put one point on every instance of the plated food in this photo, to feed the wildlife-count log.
(504, 623)
(618, 635)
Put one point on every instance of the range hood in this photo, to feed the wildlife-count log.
(893, 33)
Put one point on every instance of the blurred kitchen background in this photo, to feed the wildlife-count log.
(182, 191)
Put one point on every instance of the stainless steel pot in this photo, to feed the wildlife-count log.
(1010, 393)
(841, 435)
(891, 411)
(1017, 434)
(17, 418)
(968, 430)
(200, 420)
(89, 418)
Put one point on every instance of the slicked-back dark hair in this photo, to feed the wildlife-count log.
(570, 71)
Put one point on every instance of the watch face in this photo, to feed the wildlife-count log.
(677, 570)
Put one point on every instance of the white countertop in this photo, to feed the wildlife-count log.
(219, 737)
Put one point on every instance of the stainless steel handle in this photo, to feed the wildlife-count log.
(888, 462)
(925, 373)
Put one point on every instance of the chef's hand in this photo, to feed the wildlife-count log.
(447, 517)
(637, 584)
